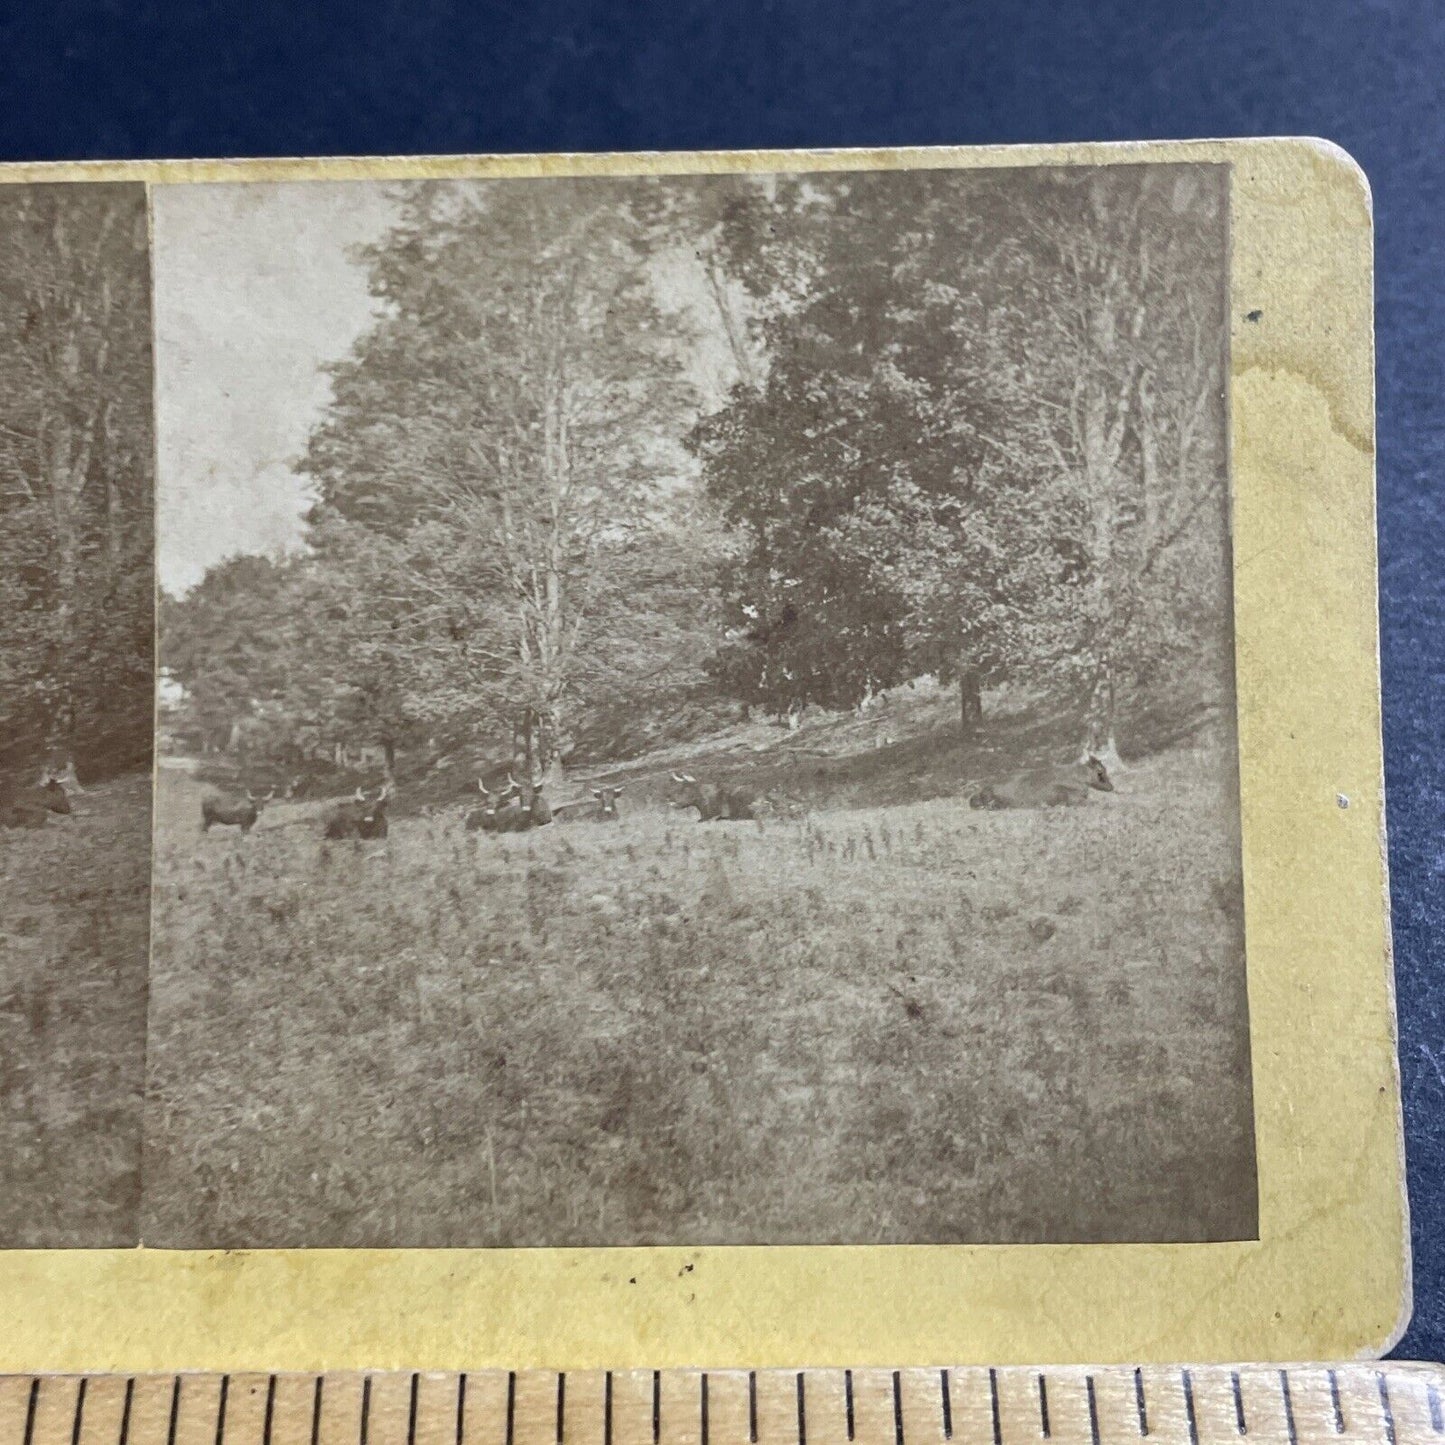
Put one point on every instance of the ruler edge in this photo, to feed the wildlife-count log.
(1173, 1402)
(1425, 1369)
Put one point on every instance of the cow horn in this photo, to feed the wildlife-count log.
(688, 778)
(481, 787)
(678, 777)
(617, 790)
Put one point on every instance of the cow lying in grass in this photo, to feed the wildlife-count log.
(513, 809)
(1066, 785)
(714, 801)
(601, 807)
(29, 807)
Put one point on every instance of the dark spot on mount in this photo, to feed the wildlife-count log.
(1253, 315)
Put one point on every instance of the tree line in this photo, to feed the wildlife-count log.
(973, 428)
(76, 479)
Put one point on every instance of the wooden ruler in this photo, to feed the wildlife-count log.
(1166, 1405)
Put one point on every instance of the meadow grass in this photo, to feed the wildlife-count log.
(74, 918)
(901, 1023)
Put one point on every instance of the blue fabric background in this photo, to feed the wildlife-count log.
(117, 78)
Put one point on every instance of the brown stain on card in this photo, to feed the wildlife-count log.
(1306, 319)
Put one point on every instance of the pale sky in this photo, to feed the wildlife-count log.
(254, 292)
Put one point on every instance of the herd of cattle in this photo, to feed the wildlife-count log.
(511, 808)
(517, 808)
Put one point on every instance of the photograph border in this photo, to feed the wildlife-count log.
(1329, 1276)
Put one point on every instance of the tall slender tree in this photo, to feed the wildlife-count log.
(504, 426)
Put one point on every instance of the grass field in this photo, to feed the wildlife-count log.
(876, 1021)
(73, 932)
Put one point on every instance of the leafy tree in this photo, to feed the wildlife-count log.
(984, 440)
(975, 432)
(233, 643)
(812, 616)
(1116, 295)
(757, 240)
(499, 433)
(76, 482)
(847, 473)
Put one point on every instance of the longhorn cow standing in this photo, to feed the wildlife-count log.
(358, 817)
(233, 812)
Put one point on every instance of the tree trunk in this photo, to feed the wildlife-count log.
(389, 750)
(970, 700)
(549, 751)
(536, 756)
(524, 746)
(64, 494)
(732, 326)
(1100, 740)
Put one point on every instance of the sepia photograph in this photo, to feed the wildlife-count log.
(689, 710)
(77, 587)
